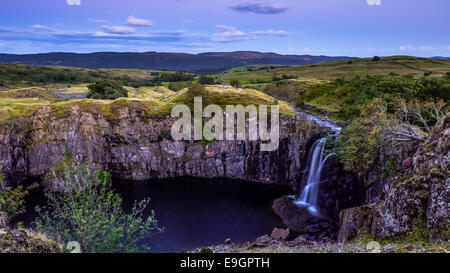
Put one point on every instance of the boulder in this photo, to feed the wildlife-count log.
(294, 217)
(280, 234)
(353, 222)
(299, 221)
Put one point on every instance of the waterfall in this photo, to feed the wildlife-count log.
(309, 195)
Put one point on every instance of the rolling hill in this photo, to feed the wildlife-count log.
(205, 62)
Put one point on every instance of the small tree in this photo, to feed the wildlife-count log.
(89, 212)
(417, 114)
(177, 86)
(106, 90)
(376, 59)
(236, 83)
(206, 80)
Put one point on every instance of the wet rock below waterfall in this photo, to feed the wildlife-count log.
(300, 222)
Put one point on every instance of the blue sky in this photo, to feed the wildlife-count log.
(318, 27)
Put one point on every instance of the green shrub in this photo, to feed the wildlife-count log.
(196, 90)
(106, 90)
(358, 144)
(89, 212)
(206, 80)
(206, 250)
(177, 86)
(12, 199)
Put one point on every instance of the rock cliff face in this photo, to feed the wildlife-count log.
(139, 147)
(417, 201)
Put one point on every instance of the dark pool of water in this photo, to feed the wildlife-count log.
(197, 212)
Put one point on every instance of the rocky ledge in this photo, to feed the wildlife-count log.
(24, 241)
(136, 146)
(267, 244)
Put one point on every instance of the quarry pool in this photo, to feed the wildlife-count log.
(196, 212)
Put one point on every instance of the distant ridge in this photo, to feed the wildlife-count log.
(206, 62)
(440, 57)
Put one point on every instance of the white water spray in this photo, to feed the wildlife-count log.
(310, 193)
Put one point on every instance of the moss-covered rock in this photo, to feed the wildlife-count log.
(23, 240)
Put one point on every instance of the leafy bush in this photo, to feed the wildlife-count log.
(206, 80)
(177, 86)
(106, 89)
(196, 90)
(89, 212)
(358, 144)
(11, 200)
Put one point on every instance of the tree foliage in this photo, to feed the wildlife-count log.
(376, 131)
(206, 80)
(177, 86)
(90, 212)
(358, 144)
(106, 90)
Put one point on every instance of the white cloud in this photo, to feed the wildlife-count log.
(133, 21)
(43, 28)
(229, 34)
(73, 2)
(272, 32)
(408, 48)
(118, 29)
(426, 48)
(411, 48)
(260, 8)
(374, 2)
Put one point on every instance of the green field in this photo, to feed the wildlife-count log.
(340, 85)
(402, 65)
(340, 88)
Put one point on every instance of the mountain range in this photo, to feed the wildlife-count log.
(204, 62)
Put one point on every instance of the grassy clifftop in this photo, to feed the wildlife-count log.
(154, 101)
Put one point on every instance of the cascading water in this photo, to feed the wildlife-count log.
(309, 195)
